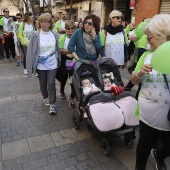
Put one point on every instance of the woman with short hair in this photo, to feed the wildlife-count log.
(113, 39)
(42, 55)
(153, 99)
(63, 74)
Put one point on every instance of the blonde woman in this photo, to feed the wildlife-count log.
(113, 39)
(42, 55)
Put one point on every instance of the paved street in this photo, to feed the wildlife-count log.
(31, 139)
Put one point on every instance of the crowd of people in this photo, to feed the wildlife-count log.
(47, 44)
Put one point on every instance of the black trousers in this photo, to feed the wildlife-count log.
(151, 138)
(9, 45)
(24, 49)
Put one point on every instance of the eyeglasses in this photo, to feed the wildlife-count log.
(71, 28)
(117, 17)
(18, 18)
(89, 23)
(6, 11)
(45, 22)
(149, 38)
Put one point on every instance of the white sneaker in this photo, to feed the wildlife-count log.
(52, 109)
(46, 102)
(25, 71)
(85, 115)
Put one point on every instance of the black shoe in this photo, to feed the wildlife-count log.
(160, 164)
(62, 95)
(71, 103)
(76, 98)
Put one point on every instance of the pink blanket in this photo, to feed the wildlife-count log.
(106, 116)
(128, 107)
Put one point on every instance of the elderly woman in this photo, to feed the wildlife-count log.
(26, 30)
(42, 54)
(113, 39)
(85, 42)
(154, 99)
(66, 57)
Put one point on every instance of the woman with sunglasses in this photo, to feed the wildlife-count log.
(85, 42)
(113, 39)
(42, 55)
(153, 99)
(26, 30)
(63, 74)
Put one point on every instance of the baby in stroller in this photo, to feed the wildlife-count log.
(112, 86)
(88, 87)
(123, 99)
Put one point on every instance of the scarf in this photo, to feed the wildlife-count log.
(90, 48)
(113, 30)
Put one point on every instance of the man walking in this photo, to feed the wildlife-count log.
(8, 41)
(60, 25)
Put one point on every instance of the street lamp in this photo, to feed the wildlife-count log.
(90, 6)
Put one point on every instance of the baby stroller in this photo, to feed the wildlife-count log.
(103, 115)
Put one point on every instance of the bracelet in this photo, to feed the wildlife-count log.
(138, 76)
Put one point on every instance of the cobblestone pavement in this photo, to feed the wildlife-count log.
(31, 139)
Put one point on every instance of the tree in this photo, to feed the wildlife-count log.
(18, 5)
(29, 4)
(70, 2)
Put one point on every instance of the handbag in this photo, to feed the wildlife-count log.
(166, 81)
(43, 59)
(70, 65)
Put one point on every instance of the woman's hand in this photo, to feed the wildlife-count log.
(75, 56)
(145, 70)
(134, 39)
(138, 77)
(93, 33)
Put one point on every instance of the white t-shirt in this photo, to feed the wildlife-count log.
(154, 102)
(28, 31)
(66, 46)
(7, 24)
(62, 24)
(47, 47)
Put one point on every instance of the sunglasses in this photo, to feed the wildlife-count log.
(6, 11)
(89, 23)
(71, 28)
(18, 18)
(117, 17)
(45, 22)
(149, 38)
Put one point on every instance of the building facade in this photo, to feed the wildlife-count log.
(10, 5)
(141, 9)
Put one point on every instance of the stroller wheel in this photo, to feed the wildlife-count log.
(130, 143)
(106, 147)
(129, 139)
(76, 121)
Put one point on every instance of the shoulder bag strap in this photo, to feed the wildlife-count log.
(166, 81)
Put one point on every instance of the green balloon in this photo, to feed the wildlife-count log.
(140, 29)
(161, 58)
